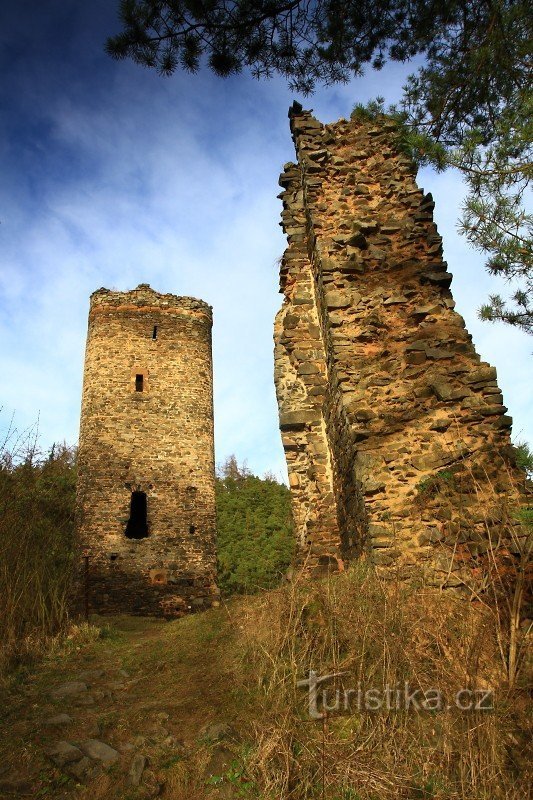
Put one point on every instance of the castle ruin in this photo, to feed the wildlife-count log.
(146, 473)
(383, 399)
(395, 433)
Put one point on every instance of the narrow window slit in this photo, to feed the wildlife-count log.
(154, 332)
(139, 383)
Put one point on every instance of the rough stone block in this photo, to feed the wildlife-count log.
(442, 279)
(294, 420)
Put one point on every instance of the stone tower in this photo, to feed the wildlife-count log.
(395, 433)
(146, 481)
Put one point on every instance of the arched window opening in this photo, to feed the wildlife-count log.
(137, 527)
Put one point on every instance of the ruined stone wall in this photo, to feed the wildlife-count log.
(384, 402)
(159, 441)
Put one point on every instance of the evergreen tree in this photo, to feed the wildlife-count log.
(254, 525)
(497, 174)
(467, 106)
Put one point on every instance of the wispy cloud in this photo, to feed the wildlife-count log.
(120, 177)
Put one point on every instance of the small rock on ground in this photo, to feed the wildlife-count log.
(216, 731)
(100, 751)
(136, 770)
(64, 753)
(91, 674)
(84, 700)
(79, 769)
(69, 689)
(18, 787)
(59, 719)
(219, 762)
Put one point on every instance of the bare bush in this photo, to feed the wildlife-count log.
(36, 533)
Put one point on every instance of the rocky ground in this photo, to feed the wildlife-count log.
(130, 708)
(206, 707)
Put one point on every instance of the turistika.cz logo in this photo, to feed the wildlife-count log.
(323, 701)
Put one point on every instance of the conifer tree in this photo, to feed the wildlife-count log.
(468, 106)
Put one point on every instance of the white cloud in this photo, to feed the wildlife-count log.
(174, 183)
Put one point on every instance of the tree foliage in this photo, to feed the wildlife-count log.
(497, 175)
(495, 219)
(524, 458)
(468, 106)
(304, 40)
(329, 41)
(254, 527)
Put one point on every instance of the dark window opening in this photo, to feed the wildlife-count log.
(137, 527)
(192, 528)
(154, 332)
(139, 383)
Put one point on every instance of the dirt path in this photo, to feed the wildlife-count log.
(132, 708)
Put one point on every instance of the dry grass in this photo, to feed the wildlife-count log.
(36, 534)
(379, 636)
(240, 665)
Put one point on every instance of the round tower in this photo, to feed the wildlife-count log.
(146, 470)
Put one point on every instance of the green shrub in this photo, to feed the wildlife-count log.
(435, 484)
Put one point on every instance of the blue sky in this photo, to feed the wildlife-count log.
(113, 176)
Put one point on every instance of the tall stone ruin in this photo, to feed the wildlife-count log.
(384, 403)
(146, 473)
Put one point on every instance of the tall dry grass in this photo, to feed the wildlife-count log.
(507, 567)
(36, 534)
(491, 560)
(380, 635)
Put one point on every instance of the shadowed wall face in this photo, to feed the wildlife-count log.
(146, 492)
(385, 407)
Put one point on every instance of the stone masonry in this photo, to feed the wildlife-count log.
(395, 433)
(146, 482)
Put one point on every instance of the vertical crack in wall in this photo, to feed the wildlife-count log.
(301, 372)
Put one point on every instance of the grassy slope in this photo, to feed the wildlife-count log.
(163, 682)
(180, 669)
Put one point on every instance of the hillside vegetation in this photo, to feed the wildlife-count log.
(209, 706)
(419, 701)
(255, 537)
(37, 499)
(37, 495)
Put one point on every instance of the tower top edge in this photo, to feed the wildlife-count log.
(144, 295)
